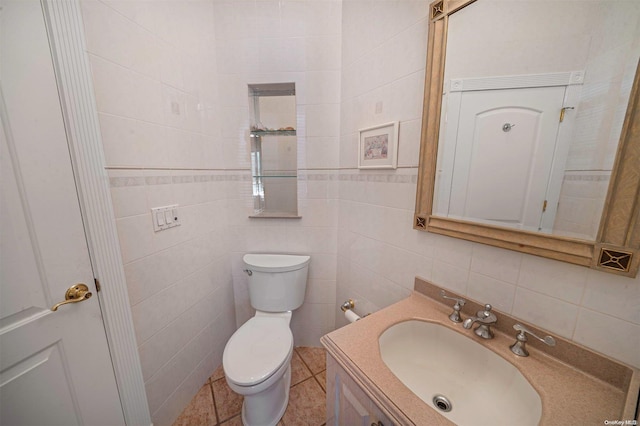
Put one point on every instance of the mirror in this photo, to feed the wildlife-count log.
(274, 150)
(530, 128)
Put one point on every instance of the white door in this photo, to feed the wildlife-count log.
(504, 155)
(55, 367)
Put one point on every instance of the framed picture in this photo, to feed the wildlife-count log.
(378, 147)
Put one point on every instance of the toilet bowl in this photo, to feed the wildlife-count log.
(257, 365)
(257, 358)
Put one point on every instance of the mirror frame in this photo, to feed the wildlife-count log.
(617, 245)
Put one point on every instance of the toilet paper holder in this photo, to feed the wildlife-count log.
(349, 313)
(347, 305)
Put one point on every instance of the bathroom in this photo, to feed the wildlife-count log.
(170, 81)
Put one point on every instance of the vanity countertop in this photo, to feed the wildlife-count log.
(569, 395)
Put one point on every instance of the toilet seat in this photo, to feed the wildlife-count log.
(257, 350)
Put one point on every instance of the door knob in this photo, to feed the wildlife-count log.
(76, 293)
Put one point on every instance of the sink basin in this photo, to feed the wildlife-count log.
(478, 386)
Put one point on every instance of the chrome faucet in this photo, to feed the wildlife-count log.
(519, 347)
(485, 319)
(455, 315)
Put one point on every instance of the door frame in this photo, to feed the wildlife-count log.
(75, 88)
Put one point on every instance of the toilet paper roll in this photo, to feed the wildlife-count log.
(351, 316)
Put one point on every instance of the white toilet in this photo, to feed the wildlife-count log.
(257, 358)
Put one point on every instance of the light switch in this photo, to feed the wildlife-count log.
(165, 217)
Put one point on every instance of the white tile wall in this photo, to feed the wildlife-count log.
(582, 199)
(153, 67)
(496, 263)
(618, 339)
(266, 42)
(501, 294)
(555, 279)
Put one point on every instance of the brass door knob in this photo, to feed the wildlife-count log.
(76, 293)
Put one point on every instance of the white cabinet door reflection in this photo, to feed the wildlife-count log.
(497, 156)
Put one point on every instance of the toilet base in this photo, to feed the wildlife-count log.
(266, 408)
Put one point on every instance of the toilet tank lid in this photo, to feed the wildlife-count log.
(275, 262)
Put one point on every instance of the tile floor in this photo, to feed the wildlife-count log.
(216, 404)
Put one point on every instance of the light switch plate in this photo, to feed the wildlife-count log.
(165, 217)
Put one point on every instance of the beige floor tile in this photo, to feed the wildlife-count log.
(322, 379)
(199, 411)
(235, 421)
(313, 357)
(228, 403)
(306, 405)
(218, 374)
(306, 401)
(299, 371)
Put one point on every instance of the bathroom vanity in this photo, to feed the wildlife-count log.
(575, 385)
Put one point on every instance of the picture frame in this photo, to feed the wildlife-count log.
(378, 147)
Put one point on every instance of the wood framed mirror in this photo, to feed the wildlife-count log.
(615, 243)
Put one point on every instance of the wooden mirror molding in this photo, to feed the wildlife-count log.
(617, 245)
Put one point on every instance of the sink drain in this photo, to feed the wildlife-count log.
(442, 403)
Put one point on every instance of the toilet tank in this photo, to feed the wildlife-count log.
(277, 282)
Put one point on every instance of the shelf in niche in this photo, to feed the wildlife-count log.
(275, 215)
(260, 133)
(275, 176)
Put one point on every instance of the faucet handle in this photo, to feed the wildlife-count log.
(549, 340)
(455, 315)
(487, 315)
(519, 347)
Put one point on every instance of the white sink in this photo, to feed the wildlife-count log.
(482, 387)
